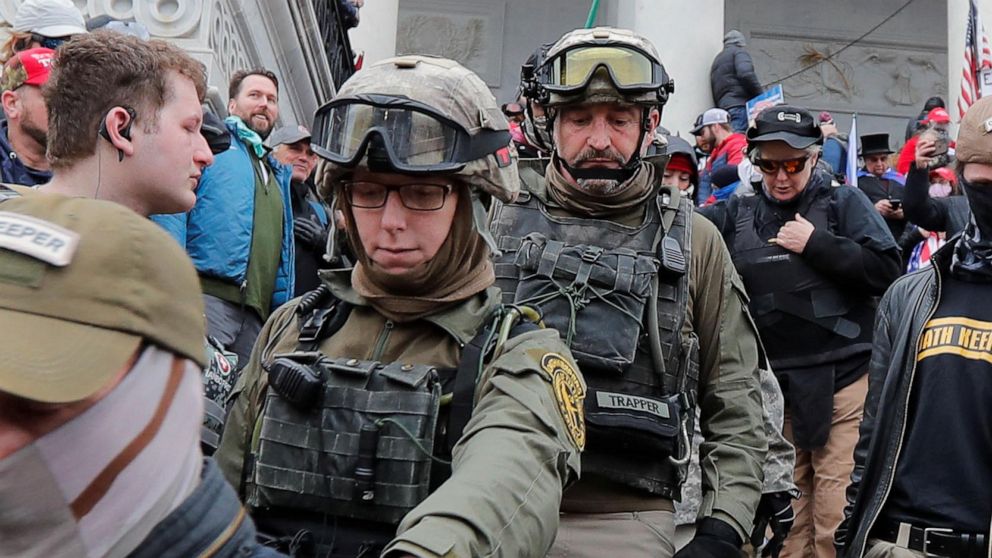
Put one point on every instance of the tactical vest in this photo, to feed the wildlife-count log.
(342, 464)
(602, 285)
(803, 318)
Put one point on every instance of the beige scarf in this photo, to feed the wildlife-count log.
(638, 188)
(460, 269)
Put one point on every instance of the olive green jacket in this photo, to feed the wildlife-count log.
(515, 456)
(730, 405)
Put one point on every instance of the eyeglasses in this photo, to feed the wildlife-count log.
(49, 42)
(791, 166)
(418, 197)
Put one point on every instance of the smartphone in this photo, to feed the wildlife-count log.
(895, 203)
(940, 139)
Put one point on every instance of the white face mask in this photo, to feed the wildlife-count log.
(97, 485)
(940, 190)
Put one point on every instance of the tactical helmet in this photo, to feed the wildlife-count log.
(603, 64)
(535, 128)
(417, 115)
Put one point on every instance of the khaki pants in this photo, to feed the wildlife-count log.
(628, 534)
(882, 549)
(823, 476)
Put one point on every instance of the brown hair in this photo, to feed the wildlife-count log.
(96, 72)
(235, 86)
(16, 42)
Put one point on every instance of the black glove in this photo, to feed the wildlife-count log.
(714, 539)
(311, 233)
(775, 511)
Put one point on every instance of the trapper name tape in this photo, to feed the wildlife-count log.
(39, 239)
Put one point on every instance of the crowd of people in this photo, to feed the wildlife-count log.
(426, 324)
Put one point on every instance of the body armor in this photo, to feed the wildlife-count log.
(804, 318)
(602, 285)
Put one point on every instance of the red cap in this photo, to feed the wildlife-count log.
(937, 116)
(680, 163)
(944, 173)
(28, 67)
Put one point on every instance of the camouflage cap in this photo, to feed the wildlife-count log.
(453, 91)
(28, 67)
(83, 283)
(974, 143)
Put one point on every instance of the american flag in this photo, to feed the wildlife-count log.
(977, 57)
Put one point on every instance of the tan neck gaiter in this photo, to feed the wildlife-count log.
(461, 268)
(623, 201)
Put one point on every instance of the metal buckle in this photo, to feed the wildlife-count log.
(926, 537)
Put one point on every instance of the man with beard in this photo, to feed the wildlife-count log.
(240, 232)
(645, 294)
(24, 133)
(724, 146)
(922, 462)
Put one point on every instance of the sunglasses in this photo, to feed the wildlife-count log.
(791, 166)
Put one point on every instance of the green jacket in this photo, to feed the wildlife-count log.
(516, 454)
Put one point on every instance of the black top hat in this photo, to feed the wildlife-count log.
(873, 144)
(793, 125)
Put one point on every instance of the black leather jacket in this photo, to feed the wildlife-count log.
(951, 214)
(905, 308)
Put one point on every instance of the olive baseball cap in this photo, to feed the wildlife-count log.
(83, 283)
(974, 143)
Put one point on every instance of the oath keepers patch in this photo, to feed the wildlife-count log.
(569, 393)
(39, 239)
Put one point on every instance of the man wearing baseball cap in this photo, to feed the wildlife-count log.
(724, 145)
(100, 390)
(291, 147)
(812, 257)
(24, 132)
(923, 463)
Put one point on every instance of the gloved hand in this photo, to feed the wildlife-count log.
(714, 539)
(775, 511)
(311, 233)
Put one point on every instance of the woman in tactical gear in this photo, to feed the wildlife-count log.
(400, 408)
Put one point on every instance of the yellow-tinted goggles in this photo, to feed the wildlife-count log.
(629, 68)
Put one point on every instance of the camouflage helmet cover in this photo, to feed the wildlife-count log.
(600, 88)
(454, 92)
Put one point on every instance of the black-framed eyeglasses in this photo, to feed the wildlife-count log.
(772, 166)
(414, 196)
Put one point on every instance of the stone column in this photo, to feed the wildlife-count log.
(376, 31)
(688, 35)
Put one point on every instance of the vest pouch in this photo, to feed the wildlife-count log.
(633, 424)
(362, 451)
(594, 297)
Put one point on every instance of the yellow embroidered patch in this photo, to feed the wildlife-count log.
(569, 393)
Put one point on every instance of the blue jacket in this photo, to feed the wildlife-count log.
(12, 170)
(217, 231)
(210, 522)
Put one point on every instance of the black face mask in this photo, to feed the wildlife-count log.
(972, 259)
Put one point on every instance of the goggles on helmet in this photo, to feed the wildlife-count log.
(631, 69)
(406, 136)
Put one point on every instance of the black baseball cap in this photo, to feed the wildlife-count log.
(793, 125)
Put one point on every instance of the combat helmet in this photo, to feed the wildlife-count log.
(418, 115)
(603, 65)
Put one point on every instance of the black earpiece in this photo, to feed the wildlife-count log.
(124, 131)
